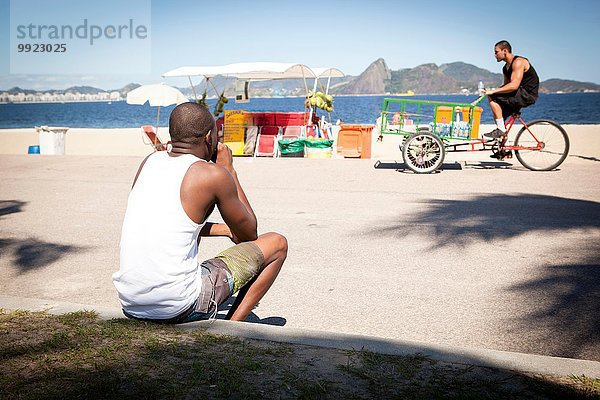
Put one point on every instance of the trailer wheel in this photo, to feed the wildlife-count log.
(423, 152)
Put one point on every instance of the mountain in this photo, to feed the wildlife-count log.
(74, 89)
(126, 89)
(447, 78)
(463, 72)
(370, 81)
(456, 77)
(16, 90)
(567, 86)
(377, 78)
(83, 90)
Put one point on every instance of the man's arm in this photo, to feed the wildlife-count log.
(217, 229)
(518, 69)
(232, 201)
(225, 159)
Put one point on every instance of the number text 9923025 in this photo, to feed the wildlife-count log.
(41, 48)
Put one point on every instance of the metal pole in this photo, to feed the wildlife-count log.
(306, 90)
(192, 85)
(310, 115)
(157, 118)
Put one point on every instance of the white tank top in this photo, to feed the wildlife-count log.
(158, 275)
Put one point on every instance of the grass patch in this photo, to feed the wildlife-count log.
(77, 355)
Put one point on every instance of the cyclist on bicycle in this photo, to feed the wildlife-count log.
(520, 87)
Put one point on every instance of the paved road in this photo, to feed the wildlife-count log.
(484, 255)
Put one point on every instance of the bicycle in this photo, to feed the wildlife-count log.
(540, 145)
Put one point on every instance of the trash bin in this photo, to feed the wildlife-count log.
(52, 139)
(354, 141)
(291, 147)
(319, 148)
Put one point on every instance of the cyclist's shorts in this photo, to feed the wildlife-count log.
(511, 103)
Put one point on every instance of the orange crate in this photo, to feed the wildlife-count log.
(354, 141)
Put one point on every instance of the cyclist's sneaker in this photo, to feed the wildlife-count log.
(501, 155)
(495, 134)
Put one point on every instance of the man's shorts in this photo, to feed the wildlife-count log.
(511, 103)
(220, 278)
(223, 276)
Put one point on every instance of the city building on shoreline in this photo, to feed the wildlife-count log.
(49, 97)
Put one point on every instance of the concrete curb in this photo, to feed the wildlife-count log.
(480, 357)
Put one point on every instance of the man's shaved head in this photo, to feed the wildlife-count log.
(190, 122)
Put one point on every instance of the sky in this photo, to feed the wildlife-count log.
(560, 38)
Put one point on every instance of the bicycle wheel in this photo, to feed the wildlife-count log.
(423, 152)
(548, 151)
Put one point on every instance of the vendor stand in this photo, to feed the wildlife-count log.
(242, 130)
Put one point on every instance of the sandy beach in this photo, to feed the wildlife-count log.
(585, 142)
(484, 254)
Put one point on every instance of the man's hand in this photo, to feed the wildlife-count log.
(218, 229)
(489, 91)
(224, 157)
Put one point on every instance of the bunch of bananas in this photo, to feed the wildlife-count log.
(320, 100)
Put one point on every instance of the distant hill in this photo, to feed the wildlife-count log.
(126, 89)
(17, 90)
(83, 90)
(456, 77)
(447, 78)
(371, 81)
(467, 76)
(74, 89)
(377, 78)
(567, 86)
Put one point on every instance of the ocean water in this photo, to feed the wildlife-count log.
(575, 108)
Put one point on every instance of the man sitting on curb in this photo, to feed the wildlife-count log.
(174, 192)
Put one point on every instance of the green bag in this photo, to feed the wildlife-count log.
(319, 144)
(288, 146)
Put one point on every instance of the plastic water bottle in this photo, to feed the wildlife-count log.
(480, 87)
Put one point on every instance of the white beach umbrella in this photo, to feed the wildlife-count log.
(156, 95)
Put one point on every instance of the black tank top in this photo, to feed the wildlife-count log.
(530, 82)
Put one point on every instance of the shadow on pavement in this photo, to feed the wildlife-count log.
(567, 302)
(561, 300)
(489, 165)
(587, 158)
(494, 217)
(275, 321)
(252, 317)
(30, 254)
(400, 166)
(10, 207)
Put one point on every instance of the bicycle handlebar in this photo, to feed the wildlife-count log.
(479, 100)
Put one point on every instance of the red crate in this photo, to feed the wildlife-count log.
(290, 119)
(269, 130)
(265, 118)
